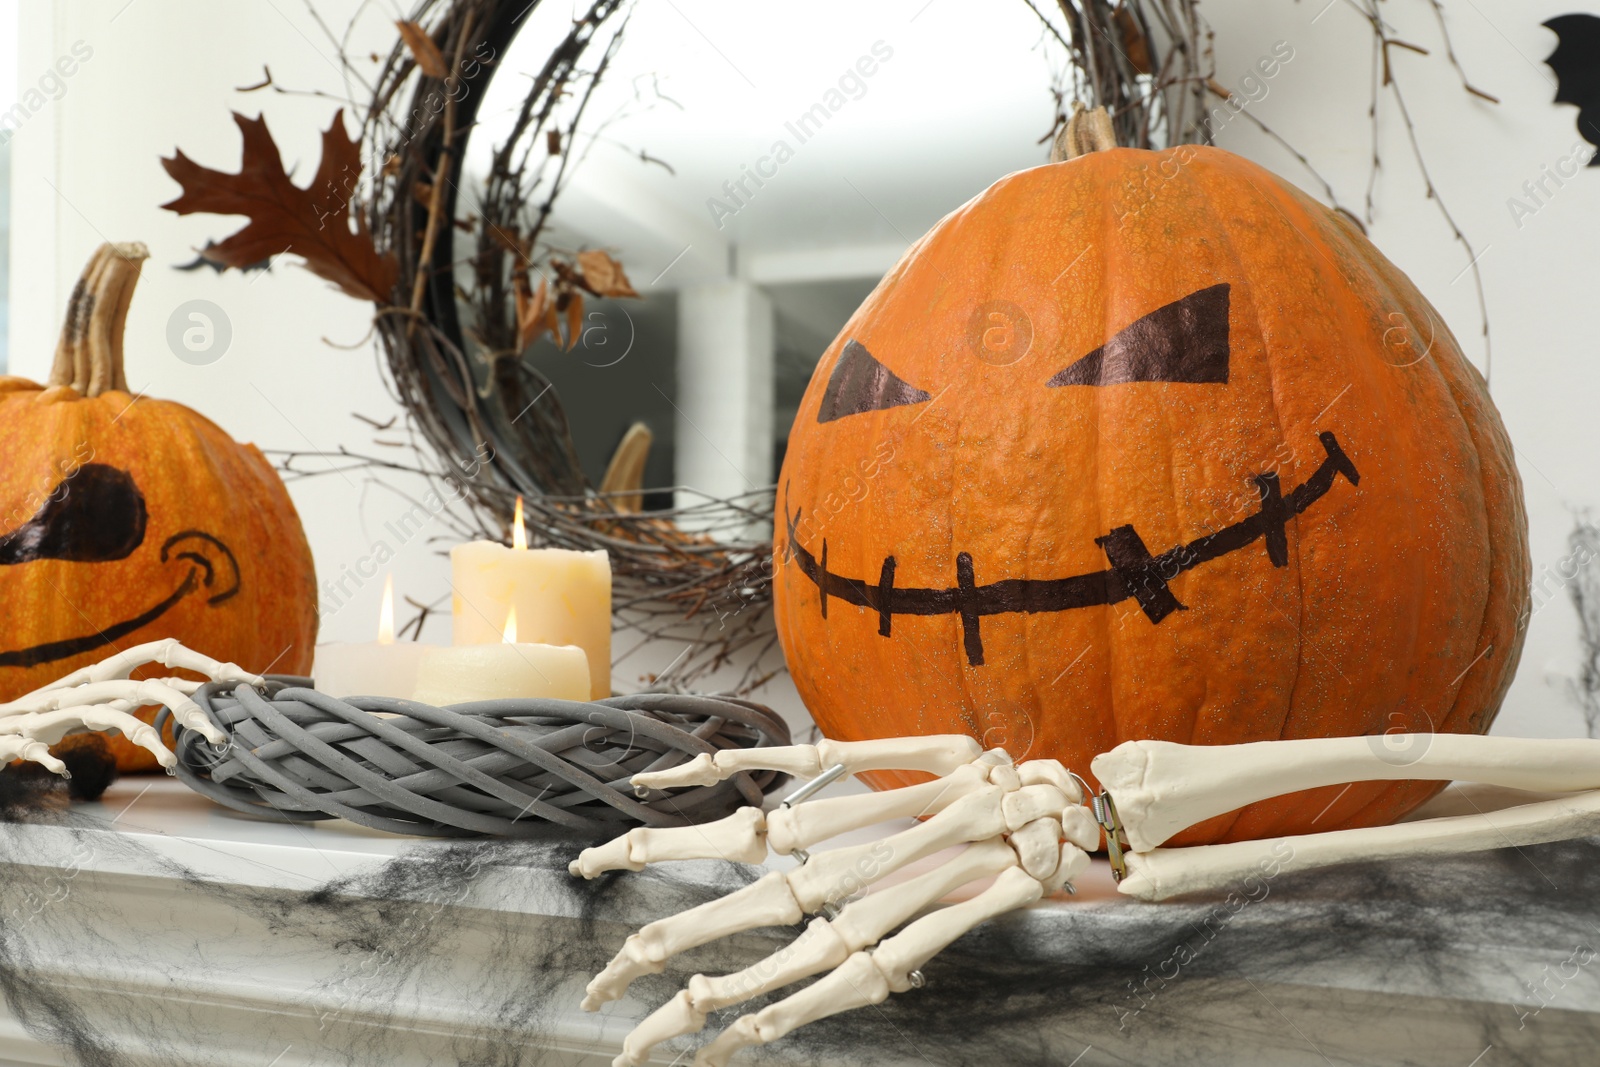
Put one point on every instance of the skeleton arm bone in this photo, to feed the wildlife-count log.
(1169, 872)
(1161, 788)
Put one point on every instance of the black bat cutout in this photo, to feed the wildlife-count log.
(210, 567)
(94, 515)
(1134, 572)
(1576, 62)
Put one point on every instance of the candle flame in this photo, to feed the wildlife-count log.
(386, 613)
(509, 635)
(519, 534)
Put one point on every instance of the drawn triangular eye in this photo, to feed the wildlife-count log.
(860, 383)
(1185, 341)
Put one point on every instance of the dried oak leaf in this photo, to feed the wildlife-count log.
(423, 50)
(313, 223)
(602, 275)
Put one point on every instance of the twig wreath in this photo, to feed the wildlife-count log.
(381, 221)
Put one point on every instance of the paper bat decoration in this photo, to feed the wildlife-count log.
(1576, 62)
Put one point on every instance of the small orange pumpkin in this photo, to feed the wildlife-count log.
(1151, 445)
(125, 519)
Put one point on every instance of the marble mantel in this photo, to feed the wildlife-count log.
(154, 928)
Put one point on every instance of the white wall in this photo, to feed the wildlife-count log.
(163, 71)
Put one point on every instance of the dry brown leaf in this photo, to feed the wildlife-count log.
(1134, 45)
(423, 50)
(574, 321)
(313, 223)
(531, 318)
(552, 142)
(552, 314)
(603, 275)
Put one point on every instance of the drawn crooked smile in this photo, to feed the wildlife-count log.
(97, 514)
(1134, 573)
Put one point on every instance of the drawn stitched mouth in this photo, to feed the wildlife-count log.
(1134, 573)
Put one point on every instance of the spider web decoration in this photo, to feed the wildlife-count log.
(1423, 961)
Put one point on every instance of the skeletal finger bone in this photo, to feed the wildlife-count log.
(937, 753)
(120, 693)
(824, 878)
(101, 696)
(17, 747)
(833, 875)
(769, 901)
(1161, 788)
(1169, 872)
(738, 838)
(169, 652)
(804, 825)
(51, 726)
(823, 945)
(868, 978)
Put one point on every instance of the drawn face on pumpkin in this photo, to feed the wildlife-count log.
(1185, 341)
(1099, 461)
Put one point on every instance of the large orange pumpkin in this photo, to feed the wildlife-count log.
(125, 519)
(1151, 445)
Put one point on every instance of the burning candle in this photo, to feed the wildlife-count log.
(384, 668)
(511, 668)
(560, 597)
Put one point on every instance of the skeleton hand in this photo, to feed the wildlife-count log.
(1022, 825)
(102, 697)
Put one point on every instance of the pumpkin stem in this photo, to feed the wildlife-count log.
(1086, 131)
(89, 354)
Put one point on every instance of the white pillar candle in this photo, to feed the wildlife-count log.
(367, 669)
(561, 597)
(464, 673)
(381, 668)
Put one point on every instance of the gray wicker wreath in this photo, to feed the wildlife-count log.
(500, 767)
